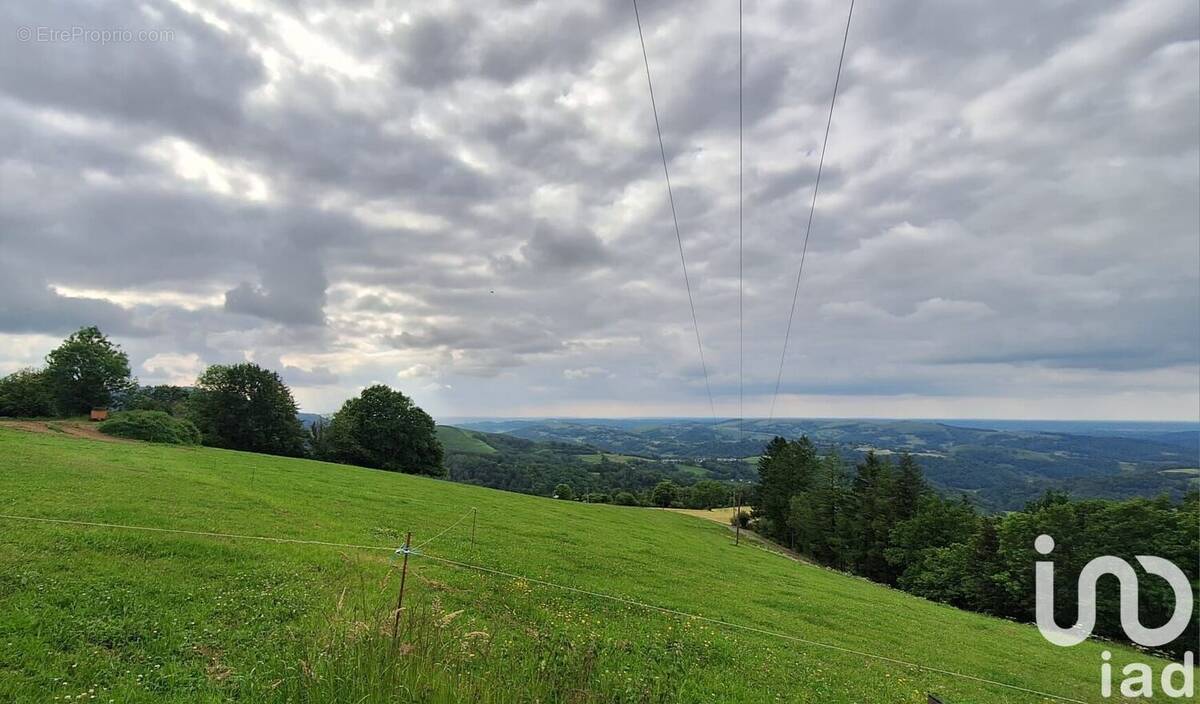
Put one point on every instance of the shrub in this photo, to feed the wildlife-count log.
(152, 426)
(564, 492)
(741, 518)
(625, 498)
(25, 393)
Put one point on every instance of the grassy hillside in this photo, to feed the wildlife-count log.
(162, 617)
(459, 440)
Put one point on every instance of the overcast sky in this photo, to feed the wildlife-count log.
(465, 201)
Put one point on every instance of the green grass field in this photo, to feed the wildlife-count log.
(133, 616)
(458, 440)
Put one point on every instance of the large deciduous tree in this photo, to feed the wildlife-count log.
(86, 371)
(709, 494)
(246, 407)
(382, 428)
(664, 493)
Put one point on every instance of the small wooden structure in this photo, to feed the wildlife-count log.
(99, 414)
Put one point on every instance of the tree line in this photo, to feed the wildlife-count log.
(581, 473)
(705, 494)
(235, 406)
(882, 521)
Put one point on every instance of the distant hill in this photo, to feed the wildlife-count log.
(1000, 468)
(464, 441)
(506, 461)
(307, 419)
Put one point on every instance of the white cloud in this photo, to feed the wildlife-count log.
(178, 369)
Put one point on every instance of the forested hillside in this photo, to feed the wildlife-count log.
(516, 464)
(1001, 469)
(882, 521)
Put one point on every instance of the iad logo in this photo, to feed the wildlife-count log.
(1141, 683)
(1107, 564)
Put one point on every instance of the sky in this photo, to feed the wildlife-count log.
(466, 201)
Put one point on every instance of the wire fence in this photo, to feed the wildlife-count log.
(545, 583)
(445, 530)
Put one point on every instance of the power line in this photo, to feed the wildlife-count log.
(741, 179)
(542, 582)
(812, 208)
(675, 218)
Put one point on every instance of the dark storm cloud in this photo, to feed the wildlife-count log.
(467, 199)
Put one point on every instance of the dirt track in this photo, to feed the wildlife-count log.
(70, 428)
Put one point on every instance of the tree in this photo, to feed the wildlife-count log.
(818, 512)
(937, 523)
(785, 470)
(664, 493)
(383, 429)
(564, 492)
(625, 498)
(870, 520)
(908, 489)
(25, 393)
(987, 582)
(709, 494)
(165, 398)
(320, 443)
(246, 407)
(86, 371)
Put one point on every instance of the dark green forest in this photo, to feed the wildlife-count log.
(882, 520)
(542, 467)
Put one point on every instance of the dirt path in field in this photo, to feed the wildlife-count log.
(717, 515)
(70, 428)
(723, 515)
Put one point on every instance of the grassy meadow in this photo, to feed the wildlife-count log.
(110, 615)
(458, 440)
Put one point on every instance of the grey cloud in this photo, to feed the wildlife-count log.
(433, 49)
(551, 249)
(190, 83)
(1037, 163)
(29, 305)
